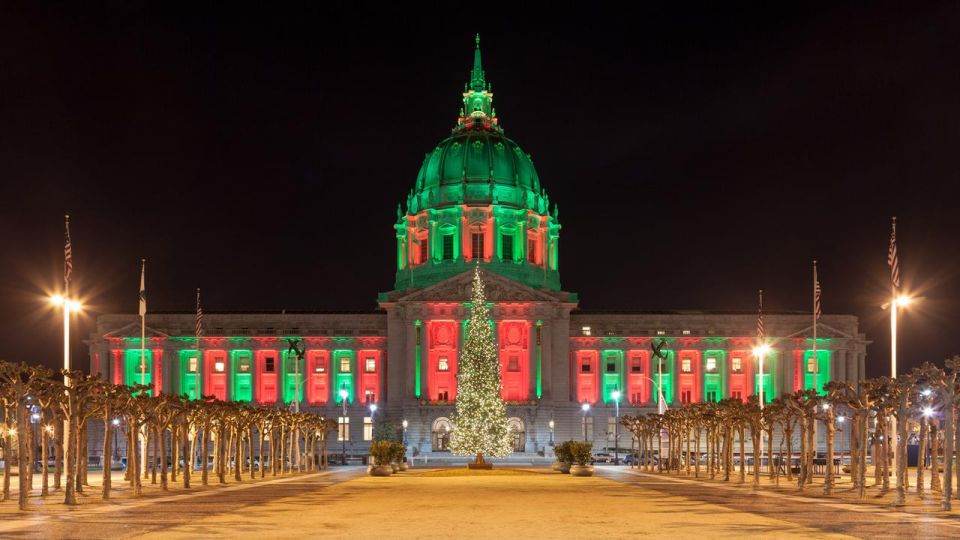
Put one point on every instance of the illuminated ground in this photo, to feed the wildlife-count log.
(452, 503)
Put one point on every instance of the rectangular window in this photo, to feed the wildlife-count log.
(269, 364)
(218, 366)
(319, 368)
(371, 365)
(513, 363)
(685, 397)
(736, 365)
(585, 367)
(443, 395)
(448, 247)
(685, 366)
(686, 332)
(736, 394)
(424, 250)
(711, 365)
(588, 428)
(506, 247)
(635, 398)
(611, 428)
(368, 396)
(244, 366)
(636, 365)
(532, 250)
(611, 366)
(192, 364)
(476, 246)
(367, 428)
(343, 428)
(712, 396)
(585, 330)
(443, 364)
(344, 364)
(811, 365)
(661, 332)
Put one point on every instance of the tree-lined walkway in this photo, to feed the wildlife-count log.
(840, 514)
(155, 511)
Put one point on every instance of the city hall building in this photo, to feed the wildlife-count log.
(477, 199)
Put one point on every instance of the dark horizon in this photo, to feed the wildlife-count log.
(696, 156)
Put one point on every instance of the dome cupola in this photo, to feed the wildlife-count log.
(477, 197)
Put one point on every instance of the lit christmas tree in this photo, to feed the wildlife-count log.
(481, 417)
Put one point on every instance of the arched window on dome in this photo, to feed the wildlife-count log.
(419, 248)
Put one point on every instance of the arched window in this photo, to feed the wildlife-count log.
(442, 428)
(519, 434)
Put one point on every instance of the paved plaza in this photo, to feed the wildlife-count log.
(445, 503)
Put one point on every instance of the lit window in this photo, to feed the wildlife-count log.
(319, 368)
(811, 364)
(661, 332)
(192, 364)
(636, 365)
(244, 365)
(711, 365)
(476, 245)
(218, 366)
(369, 396)
(506, 247)
(685, 366)
(736, 365)
(443, 364)
(585, 330)
(343, 428)
(367, 428)
(371, 365)
(513, 364)
(269, 366)
(448, 247)
(344, 364)
(686, 332)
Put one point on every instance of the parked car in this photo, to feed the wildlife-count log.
(602, 457)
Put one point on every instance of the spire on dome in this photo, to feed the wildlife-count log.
(478, 82)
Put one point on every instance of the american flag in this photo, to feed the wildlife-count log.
(892, 259)
(199, 328)
(816, 294)
(760, 316)
(143, 288)
(67, 253)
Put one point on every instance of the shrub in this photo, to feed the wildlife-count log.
(382, 452)
(398, 452)
(582, 452)
(562, 452)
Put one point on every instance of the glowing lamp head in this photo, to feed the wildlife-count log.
(615, 395)
(928, 411)
(926, 392)
(585, 407)
(56, 300)
(405, 424)
(116, 421)
(761, 350)
(48, 428)
(826, 406)
(551, 424)
(373, 407)
(73, 305)
(35, 417)
(902, 300)
(841, 419)
(343, 393)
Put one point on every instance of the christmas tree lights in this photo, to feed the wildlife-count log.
(481, 415)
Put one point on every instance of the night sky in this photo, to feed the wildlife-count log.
(697, 154)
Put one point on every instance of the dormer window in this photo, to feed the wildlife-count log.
(685, 366)
(443, 364)
(345, 364)
(736, 365)
(711, 365)
(476, 245)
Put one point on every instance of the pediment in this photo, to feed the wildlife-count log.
(498, 289)
(132, 330)
(824, 331)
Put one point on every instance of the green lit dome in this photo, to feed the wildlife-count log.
(477, 165)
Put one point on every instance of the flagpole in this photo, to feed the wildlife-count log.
(816, 315)
(894, 263)
(143, 323)
(199, 332)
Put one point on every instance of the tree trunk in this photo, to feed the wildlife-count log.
(238, 458)
(922, 453)
(755, 436)
(250, 450)
(174, 450)
(80, 434)
(45, 456)
(901, 454)
(788, 435)
(187, 453)
(948, 440)
(70, 494)
(23, 455)
(107, 431)
(58, 457)
(161, 436)
(831, 430)
(935, 458)
(205, 450)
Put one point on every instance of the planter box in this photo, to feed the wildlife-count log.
(581, 470)
(381, 470)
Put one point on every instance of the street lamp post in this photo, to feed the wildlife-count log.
(343, 426)
(551, 424)
(405, 424)
(585, 408)
(616, 427)
(895, 302)
(67, 305)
